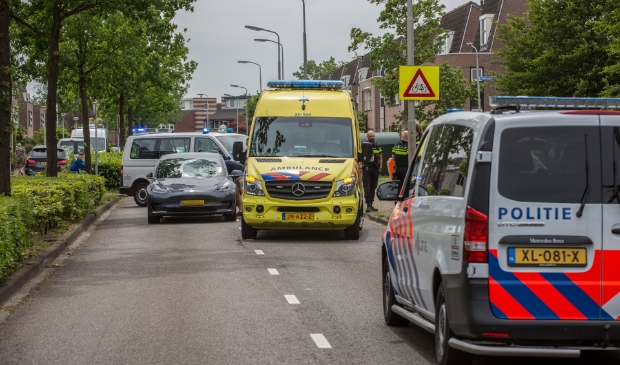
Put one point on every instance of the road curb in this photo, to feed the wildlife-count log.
(21, 277)
(377, 219)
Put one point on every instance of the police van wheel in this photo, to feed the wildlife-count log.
(140, 195)
(353, 232)
(391, 318)
(247, 232)
(445, 354)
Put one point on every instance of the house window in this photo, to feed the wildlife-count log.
(366, 98)
(345, 79)
(42, 120)
(447, 44)
(476, 73)
(29, 118)
(357, 101)
(362, 74)
(396, 100)
(187, 105)
(485, 28)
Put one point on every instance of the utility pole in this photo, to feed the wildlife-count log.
(411, 125)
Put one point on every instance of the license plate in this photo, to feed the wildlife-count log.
(547, 256)
(297, 216)
(43, 163)
(192, 203)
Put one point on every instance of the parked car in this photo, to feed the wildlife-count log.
(191, 184)
(74, 145)
(37, 161)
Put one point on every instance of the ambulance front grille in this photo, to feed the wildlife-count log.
(312, 189)
(332, 161)
(269, 160)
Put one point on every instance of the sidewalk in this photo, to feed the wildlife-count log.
(384, 212)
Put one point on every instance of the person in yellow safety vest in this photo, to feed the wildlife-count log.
(400, 152)
(372, 169)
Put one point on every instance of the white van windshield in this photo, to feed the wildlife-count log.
(302, 137)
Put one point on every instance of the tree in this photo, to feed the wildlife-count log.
(316, 72)
(559, 48)
(251, 108)
(609, 25)
(5, 99)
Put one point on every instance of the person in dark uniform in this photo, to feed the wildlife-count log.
(372, 170)
(400, 152)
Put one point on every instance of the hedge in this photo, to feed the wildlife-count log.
(38, 203)
(110, 169)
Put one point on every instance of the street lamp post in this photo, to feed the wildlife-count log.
(281, 50)
(260, 73)
(277, 35)
(411, 123)
(236, 109)
(305, 46)
(96, 139)
(477, 74)
(246, 108)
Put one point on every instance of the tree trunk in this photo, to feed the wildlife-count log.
(85, 124)
(121, 119)
(5, 99)
(129, 117)
(53, 60)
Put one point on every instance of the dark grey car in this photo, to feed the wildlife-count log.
(37, 161)
(191, 184)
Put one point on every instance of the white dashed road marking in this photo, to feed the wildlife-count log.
(273, 271)
(320, 341)
(291, 299)
(259, 252)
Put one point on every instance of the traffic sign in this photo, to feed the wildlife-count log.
(486, 78)
(418, 83)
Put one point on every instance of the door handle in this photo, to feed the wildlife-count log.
(615, 231)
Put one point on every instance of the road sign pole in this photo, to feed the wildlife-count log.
(410, 61)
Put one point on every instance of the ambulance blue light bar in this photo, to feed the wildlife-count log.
(555, 102)
(305, 84)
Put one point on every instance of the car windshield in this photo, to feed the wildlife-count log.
(228, 141)
(189, 167)
(42, 152)
(302, 137)
(72, 145)
(98, 143)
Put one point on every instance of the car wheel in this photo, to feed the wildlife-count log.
(353, 232)
(391, 318)
(153, 219)
(445, 354)
(247, 232)
(140, 195)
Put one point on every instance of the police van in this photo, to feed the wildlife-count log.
(303, 167)
(505, 237)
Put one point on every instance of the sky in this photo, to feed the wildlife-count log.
(218, 38)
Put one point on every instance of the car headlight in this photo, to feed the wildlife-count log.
(253, 186)
(159, 189)
(224, 187)
(345, 187)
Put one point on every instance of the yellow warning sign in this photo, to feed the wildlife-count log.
(419, 83)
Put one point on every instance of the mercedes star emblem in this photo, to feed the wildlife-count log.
(298, 189)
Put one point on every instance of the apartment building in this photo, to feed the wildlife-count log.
(207, 112)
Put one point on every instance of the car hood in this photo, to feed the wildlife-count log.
(293, 168)
(190, 185)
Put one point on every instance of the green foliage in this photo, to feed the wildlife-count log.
(14, 233)
(251, 108)
(561, 48)
(316, 72)
(362, 120)
(38, 135)
(110, 169)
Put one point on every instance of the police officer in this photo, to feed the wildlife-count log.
(400, 152)
(372, 169)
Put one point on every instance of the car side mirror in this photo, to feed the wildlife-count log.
(388, 190)
(150, 177)
(237, 150)
(366, 154)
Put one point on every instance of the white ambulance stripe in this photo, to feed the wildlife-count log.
(613, 306)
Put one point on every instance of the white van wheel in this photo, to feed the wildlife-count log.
(140, 195)
(445, 354)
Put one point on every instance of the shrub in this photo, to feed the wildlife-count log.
(110, 169)
(14, 232)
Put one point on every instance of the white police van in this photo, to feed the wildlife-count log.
(505, 238)
(142, 153)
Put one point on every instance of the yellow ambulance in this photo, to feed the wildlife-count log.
(304, 160)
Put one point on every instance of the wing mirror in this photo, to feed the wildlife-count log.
(366, 154)
(388, 190)
(150, 177)
(237, 152)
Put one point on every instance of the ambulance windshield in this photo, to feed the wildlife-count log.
(302, 137)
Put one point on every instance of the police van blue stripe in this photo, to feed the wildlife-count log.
(574, 294)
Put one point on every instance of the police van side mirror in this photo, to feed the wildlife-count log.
(388, 190)
(366, 154)
(237, 150)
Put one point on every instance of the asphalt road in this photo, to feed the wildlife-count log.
(191, 291)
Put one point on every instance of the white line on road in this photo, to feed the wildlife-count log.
(259, 252)
(273, 271)
(320, 341)
(291, 299)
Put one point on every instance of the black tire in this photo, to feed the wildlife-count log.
(445, 354)
(139, 194)
(153, 219)
(353, 232)
(391, 318)
(230, 217)
(247, 232)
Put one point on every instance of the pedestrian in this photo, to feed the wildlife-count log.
(400, 153)
(232, 166)
(372, 169)
(78, 164)
(20, 160)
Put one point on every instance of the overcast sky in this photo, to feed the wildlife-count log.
(218, 38)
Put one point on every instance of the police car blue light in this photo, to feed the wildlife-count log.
(205, 130)
(453, 110)
(229, 130)
(305, 84)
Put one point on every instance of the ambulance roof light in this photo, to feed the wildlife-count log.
(554, 102)
(306, 84)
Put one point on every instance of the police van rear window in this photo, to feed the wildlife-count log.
(548, 164)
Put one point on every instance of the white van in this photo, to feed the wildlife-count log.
(505, 238)
(100, 142)
(74, 145)
(142, 153)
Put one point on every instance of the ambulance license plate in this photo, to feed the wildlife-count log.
(547, 256)
(192, 203)
(297, 216)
